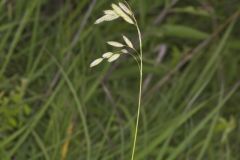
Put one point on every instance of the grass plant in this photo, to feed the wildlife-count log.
(53, 106)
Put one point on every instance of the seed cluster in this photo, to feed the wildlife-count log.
(117, 11)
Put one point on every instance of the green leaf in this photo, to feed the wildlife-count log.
(192, 10)
(186, 32)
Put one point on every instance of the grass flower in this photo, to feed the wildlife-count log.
(125, 12)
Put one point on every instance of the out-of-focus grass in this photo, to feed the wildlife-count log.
(53, 106)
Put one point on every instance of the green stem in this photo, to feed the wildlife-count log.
(140, 89)
(135, 58)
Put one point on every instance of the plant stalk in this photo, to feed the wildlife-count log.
(140, 89)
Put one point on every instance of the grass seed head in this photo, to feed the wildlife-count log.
(107, 55)
(121, 13)
(125, 8)
(107, 17)
(96, 62)
(128, 42)
(114, 57)
(115, 44)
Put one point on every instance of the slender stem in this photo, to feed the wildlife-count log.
(135, 58)
(140, 88)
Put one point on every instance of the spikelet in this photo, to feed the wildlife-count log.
(114, 57)
(128, 42)
(121, 13)
(115, 44)
(107, 17)
(124, 51)
(109, 12)
(107, 55)
(125, 8)
(96, 62)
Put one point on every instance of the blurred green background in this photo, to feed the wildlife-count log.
(54, 107)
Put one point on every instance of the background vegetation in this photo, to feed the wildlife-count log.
(54, 107)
